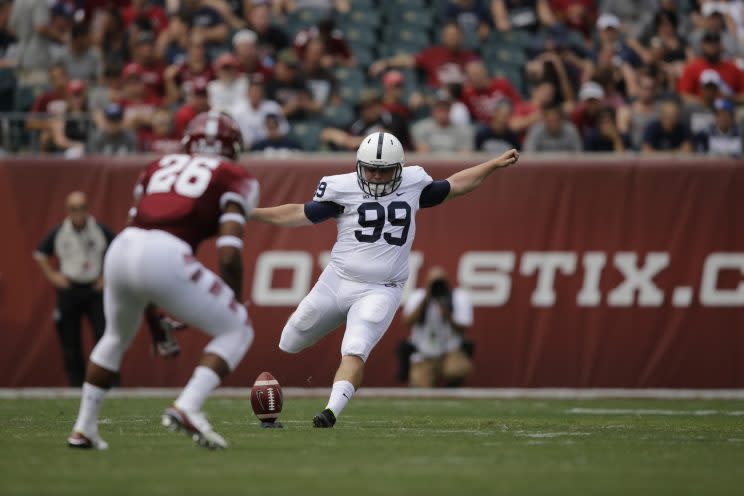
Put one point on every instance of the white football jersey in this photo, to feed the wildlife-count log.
(374, 235)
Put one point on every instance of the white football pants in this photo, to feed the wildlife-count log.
(367, 308)
(151, 266)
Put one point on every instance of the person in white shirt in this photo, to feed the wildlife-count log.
(229, 89)
(251, 113)
(438, 315)
(375, 212)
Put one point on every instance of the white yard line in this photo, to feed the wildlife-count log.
(406, 393)
(652, 411)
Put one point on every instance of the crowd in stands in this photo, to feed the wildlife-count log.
(127, 76)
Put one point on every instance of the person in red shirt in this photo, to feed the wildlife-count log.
(138, 105)
(586, 114)
(143, 53)
(481, 94)
(336, 50)
(528, 112)
(712, 58)
(161, 138)
(52, 102)
(144, 9)
(181, 200)
(443, 64)
(197, 103)
(181, 78)
(578, 15)
(246, 51)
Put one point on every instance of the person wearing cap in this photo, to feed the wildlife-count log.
(112, 138)
(275, 140)
(145, 9)
(196, 103)
(443, 64)
(180, 78)
(144, 54)
(437, 133)
(576, 15)
(290, 89)
(482, 94)
(723, 137)
(228, 90)
(713, 15)
(712, 58)
(591, 101)
(80, 59)
(668, 133)
(554, 133)
(251, 113)
(246, 51)
(372, 118)
(610, 37)
(138, 103)
(701, 113)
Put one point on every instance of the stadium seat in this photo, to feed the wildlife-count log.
(515, 37)
(360, 35)
(506, 56)
(406, 35)
(358, 18)
(307, 134)
(510, 72)
(351, 90)
(349, 75)
(416, 17)
(307, 16)
(364, 55)
(340, 116)
(397, 48)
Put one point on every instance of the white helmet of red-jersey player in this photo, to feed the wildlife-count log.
(380, 150)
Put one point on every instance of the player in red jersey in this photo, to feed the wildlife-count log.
(181, 200)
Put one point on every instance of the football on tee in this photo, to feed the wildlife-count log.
(266, 398)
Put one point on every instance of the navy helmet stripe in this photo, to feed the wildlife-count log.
(379, 144)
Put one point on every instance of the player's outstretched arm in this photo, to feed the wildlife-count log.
(467, 180)
(289, 215)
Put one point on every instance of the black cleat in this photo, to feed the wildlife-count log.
(325, 419)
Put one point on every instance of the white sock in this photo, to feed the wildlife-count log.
(193, 396)
(340, 395)
(90, 404)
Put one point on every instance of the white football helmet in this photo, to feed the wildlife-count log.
(380, 150)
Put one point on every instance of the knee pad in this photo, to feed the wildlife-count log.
(374, 308)
(305, 317)
(354, 344)
(232, 346)
(108, 352)
(290, 340)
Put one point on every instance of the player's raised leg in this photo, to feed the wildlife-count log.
(367, 320)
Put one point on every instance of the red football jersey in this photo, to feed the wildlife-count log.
(186, 194)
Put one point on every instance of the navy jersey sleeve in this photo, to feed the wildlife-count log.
(434, 194)
(46, 246)
(317, 211)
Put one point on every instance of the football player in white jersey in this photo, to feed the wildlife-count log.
(375, 209)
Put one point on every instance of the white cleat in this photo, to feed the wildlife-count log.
(195, 425)
(83, 441)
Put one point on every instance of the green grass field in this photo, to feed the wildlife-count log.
(390, 447)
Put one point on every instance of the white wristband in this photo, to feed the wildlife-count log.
(232, 217)
(229, 240)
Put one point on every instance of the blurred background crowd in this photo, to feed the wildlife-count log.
(119, 77)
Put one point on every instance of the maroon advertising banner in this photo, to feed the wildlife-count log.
(610, 273)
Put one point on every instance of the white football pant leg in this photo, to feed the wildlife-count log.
(368, 319)
(316, 316)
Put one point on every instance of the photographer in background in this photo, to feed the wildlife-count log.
(438, 316)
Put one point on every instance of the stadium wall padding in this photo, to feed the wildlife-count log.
(623, 272)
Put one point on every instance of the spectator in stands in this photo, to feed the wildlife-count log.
(252, 112)
(714, 22)
(482, 94)
(577, 15)
(723, 137)
(633, 119)
(701, 114)
(197, 102)
(50, 103)
(229, 89)
(180, 78)
(528, 112)
(340, 6)
(554, 134)
(592, 99)
(108, 90)
(393, 86)
(712, 58)
(112, 138)
(335, 50)
(68, 131)
(372, 118)
(145, 9)
(79, 245)
(173, 43)
(320, 80)
(633, 14)
(438, 315)
(497, 137)
(153, 69)
(606, 137)
(527, 15)
(275, 140)
(161, 139)
(471, 15)
(271, 38)
(560, 64)
(668, 133)
(663, 44)
(438, 134)
(138, 104)
(80, 59)
(609, 30)
(109, 37)
(290, 89)
(443, 64)
(206, 23)
(30, 22)
(246, 52)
